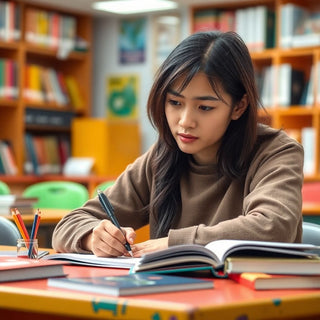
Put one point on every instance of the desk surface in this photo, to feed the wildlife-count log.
(228, 300)
(48, 216)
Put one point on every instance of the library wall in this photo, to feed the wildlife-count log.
(105, 64)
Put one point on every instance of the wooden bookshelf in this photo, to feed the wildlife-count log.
(67, 58)
(292, 118)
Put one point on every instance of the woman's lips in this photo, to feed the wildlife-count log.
(186, 138)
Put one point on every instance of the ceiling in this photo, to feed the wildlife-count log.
(85, 5)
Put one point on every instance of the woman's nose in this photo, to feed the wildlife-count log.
(187, 118)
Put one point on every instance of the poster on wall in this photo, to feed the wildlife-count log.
(132, 41)
(122, 97)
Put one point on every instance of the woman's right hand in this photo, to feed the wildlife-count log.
(106, 240)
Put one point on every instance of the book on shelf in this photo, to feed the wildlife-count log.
(264, 281)
(131, 284)
(45, 85)
(308, 95)
(255, 24)
(16, 269)
(10, 29)
(45, 154)
(67, 36)
(268, 85)
(291, 16)
(291, 85)
(307, 31)
(8, 160)
(76, 97)
(50, 29)
(206, 19)
(317, 89)
(185, 258)
(8, 79)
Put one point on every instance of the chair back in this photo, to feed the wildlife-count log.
(57, 194)
(102, 186)
(4, 188)
(311, 233)
(9, 233)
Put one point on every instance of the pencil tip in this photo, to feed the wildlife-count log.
(131, 254)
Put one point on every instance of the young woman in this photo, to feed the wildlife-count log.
(214, 173)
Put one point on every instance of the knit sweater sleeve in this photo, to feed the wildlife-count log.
(271, 204)
(129, 195)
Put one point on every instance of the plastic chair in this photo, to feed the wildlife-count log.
(57, 194)
(311, 233)
(102, 186)
(4, 188)
(9, 233)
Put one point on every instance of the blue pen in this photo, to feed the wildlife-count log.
(33, 232)
(106, 205)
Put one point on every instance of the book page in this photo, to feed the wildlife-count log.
(92, 260)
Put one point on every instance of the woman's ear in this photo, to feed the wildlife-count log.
(240, 108)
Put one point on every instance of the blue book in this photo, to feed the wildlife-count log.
(131, 284)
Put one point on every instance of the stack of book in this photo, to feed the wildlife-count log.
(281, 265)
(256, 264)
(24, 204)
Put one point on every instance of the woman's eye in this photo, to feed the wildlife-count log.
(174, 102)
(205, 108)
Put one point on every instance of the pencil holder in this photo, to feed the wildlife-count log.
(27, 248)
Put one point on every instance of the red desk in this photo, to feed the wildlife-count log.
(228, 300)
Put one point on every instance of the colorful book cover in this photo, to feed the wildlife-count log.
(131, 284)
(264, 281)
(16, 269)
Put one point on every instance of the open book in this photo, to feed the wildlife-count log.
(213, 256)
(194, 257)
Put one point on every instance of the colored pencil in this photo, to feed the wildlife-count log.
(34, 230)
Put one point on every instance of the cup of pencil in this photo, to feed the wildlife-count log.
(27, 246)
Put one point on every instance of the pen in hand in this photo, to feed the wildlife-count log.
(110, 212)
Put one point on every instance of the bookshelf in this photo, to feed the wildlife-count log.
(49, 49)
(291, 50)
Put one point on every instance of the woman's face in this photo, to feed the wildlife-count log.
(197, 117)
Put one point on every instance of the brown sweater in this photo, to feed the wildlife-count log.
(264, 205)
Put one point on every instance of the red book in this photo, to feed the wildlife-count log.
(263, 281)
(15, 269)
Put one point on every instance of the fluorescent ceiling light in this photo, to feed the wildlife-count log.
(134, 6)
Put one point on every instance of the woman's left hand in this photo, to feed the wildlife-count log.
(148, 246)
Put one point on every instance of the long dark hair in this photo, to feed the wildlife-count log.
(225, 59)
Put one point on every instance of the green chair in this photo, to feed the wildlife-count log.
(4, 188)
(57, 194)
(102, 186)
